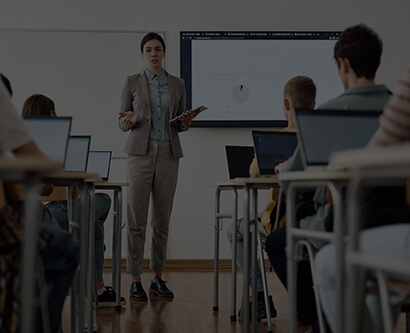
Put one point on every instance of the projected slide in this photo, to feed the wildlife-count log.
(243, 79)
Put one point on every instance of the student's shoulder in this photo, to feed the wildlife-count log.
(334, 104)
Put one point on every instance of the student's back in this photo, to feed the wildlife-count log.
(371, 97)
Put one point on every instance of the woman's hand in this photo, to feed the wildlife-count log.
(187, 117)
(129, 118)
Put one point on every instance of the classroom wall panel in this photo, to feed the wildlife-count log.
(191, 229)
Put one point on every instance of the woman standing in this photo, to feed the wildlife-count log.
(148, 101)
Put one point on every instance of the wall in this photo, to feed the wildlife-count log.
(191, 232)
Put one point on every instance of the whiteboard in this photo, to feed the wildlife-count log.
(82, 71)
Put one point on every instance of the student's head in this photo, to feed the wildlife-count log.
(39, 105)
(153, 51)
(362, 48)
(298, 93)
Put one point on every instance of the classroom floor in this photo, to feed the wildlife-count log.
(191, 309)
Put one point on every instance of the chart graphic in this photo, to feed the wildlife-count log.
(240, 94)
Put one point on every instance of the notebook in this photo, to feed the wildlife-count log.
(77, 153)
(51, 135)
(273, 148)
(239, 159)
(322, 132)
(99, 162)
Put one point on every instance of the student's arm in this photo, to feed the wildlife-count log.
(30, 148)
(254, 168)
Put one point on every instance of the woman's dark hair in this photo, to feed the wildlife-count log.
(150, 36)
(38, 105)
(363, 47)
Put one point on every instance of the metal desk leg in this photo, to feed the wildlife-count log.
(246, 243)
(215, 307)
(340, 256)
(116, 271)
(91, 254)
(254, 261)
(291, 263)
(31, 227)
(83, 254)
(74, 286)
(234, 252)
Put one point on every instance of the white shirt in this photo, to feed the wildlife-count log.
(13, 133)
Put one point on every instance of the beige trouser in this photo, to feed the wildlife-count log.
(155, 174)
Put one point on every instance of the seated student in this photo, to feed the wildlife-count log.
(40, 105)
(394, 128)
(58, 251)
(357, 54)
(299, 92)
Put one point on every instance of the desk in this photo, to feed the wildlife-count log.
(252, 185)
(28, 171)
(116, 238)
(335, 181)
(85, 184)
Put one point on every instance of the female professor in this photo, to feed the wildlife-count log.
(148, 101)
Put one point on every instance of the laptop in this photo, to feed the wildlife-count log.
(99, 162)
(322, 132)
(77, 153)
(239, 159)
(51, 135)
(273, 148)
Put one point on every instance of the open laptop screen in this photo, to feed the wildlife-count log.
(51, 135)
(99, 162)
(321, 132)
(239, 159)
(77, 153)
(273, 148)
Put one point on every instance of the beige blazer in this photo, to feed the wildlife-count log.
(135, 97)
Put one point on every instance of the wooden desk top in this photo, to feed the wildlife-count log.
(315, 175)
(62, 177)
(228, 183)
(256, 181)
(101, 184)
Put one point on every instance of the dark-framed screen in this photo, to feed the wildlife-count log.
(240, 76)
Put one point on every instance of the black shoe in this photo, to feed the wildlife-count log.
(137, 293)
(160, 289)
(108, 298)
(261, 308)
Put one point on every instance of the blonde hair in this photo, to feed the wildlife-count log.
(301, 91)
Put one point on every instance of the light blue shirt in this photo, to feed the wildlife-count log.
(159, 100)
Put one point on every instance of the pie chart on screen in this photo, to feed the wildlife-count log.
(240, 93)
